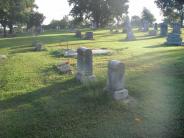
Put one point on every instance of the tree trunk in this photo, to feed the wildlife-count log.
(4, 27)
(182, 18)
(11, 29)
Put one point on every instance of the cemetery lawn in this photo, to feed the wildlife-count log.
(38, 102)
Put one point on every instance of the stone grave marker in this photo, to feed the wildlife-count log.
(89, 36)
(163, 29)
(78, 34)
(176, 28)
(85, 65)
(116, 78)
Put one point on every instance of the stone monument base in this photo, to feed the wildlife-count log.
(120, 95)
(174, 39)
(85, 79)
(152, 33)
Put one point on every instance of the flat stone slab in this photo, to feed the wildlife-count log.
(73, 53)
(2, 57)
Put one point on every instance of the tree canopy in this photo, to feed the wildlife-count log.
(98, 11)
(173, 9)
(148, 16)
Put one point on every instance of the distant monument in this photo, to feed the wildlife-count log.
(129, 32)
(145, 26)
(163, 29)
(89, 36)
(154, 31)
(174, 38)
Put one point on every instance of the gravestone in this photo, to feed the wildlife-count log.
(145, 26)
(89, 36)
(78, 34)
(85, 65)
(129, 32)
(155, 27)
(116, 78)
(174, 39)
(177, 28)
(37, 46)
(163, 29)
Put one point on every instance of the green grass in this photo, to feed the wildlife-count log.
(36, 101)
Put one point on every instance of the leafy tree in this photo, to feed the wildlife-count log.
(135, 21)
(98, 11)
(173, 9)
(35, 19)
(14, 11)
(148, 16)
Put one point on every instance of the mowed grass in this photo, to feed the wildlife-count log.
(38, 102)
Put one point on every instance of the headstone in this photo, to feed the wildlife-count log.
(145, 26)
(89, 36)
(163, 29)
(64, 68)
(85, 65)
(174, 39)
(130, 35)
(156, 26)
(177, 28)
(116, 78)
(78, 34)
(37, 46)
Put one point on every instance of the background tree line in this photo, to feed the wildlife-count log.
(19, 12)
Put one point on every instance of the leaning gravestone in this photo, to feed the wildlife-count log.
(154, 31)
(85, 65)
(163, 29)
(116, 78)
(78, 34)
(89, 36)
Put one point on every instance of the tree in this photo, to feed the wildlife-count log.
(173, 9)
(98, 11)
(13, 12)
(35, 19)
(147, 16)
(135, 21)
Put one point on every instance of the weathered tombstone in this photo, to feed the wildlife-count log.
(177, 28)
(85, 65)
(116, 78)
(145, 26)
(163, 29)
(78, 34)
(89, 36)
